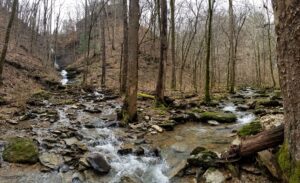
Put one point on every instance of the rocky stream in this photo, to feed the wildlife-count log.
(77, 138)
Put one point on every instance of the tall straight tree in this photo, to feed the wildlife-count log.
(130, 102)
(103, 46)
(160, 87)
(6, 41)
(287, 20)
(124, 66)
(231, 47)
(208, 52)
(173, 79)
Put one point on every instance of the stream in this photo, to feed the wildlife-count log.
(98, 132)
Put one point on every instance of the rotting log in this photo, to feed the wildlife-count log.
(250, 145)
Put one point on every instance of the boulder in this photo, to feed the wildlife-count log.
(213, 176)
(130, 179)
(167, 125)
(51, 160)
(98, 163)
(126, 149)
(21, 150)
(218, 116)
(268, 103)
(204, 159)
(157, 128)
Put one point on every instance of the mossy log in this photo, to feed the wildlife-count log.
(253, 144)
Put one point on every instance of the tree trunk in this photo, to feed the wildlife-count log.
(287, 20)
(130, 103)
(264, 140)
(208, 47)
(173, 80)
(6, 41)
(103, 48)
(160, 87)
(231, 47)
(125, 49)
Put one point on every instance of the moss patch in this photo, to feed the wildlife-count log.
(144, 96)
(21, 150)
(41, 94)
(291, 171)
(252, 128)
(268, 102)
(218, 116)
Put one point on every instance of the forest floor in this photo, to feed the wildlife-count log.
(78, 138)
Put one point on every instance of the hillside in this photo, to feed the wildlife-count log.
(24, 70)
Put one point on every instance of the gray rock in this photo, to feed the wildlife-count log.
(213, 176)
(98, 163)
(51, 160)
(130, 179)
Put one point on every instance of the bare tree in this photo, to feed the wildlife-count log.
(173, 48)
(130, 102)
(124, 65)
(207, 97)
(6, 41)
(103, 47)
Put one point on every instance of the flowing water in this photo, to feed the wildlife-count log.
(64, 75)
(175, 145)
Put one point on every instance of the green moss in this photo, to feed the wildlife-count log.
(291, 171)
(145, 96)
(197, 110)
(218, 116)
(252, 128)
(21, 150)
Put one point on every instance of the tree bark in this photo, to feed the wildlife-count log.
(125, 49)
(264, 140)
(231, 47)
(103, 47)
(130, 103)
(6, 41)
(208, 47)
(160, 87)
(173, 80)
(287, 21)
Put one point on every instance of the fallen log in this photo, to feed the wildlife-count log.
(250, 145)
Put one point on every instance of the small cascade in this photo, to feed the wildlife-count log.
(65, 79)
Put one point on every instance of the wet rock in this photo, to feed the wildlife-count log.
(268, 103)
(64, 168)
(252, 128)
(77, 178)
(177, 169)
(251, 169)
(147, 118)
(139, 151)
(12, 122)
(181, 118)
(51, 160)
(93, 110)
(218, 116)
(27, 116)
(98, 163)
(126, 149)
(21, 150)
(269, 160)
(71, 141)
(213, 123)
(260, 112)
(204, 159)
(167, 125)
(157, 128)
(90, 125)
(130, 179)
(241, 107)
(197, 150)
(213, 176)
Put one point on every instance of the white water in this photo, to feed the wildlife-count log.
(147, 168)
(65, 79)
(243, 117)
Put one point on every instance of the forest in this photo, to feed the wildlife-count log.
(149, 91)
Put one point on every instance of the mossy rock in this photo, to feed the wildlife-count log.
(21, 150)
(198, 150)
(268, 103)
(252, 128)
(291, 171)
(218, 116)
(41, 94)
(144, 96)
(204, 159)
